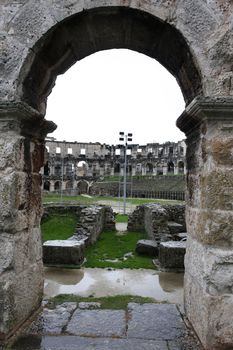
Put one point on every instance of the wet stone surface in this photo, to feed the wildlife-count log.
(155, 321)
(53, 321)
(100, 323)
(141, 326)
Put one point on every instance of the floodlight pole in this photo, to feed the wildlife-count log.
(62, 175)
(125, 137)
(125, 177)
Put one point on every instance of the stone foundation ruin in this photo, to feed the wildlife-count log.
(161, 222)
(165, 227)
(92, 220)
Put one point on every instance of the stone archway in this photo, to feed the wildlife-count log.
(180, 167)
(83, 187)
(192, 40)
(46, 186)
(170, 167)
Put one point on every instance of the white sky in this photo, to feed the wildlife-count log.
(112, 91)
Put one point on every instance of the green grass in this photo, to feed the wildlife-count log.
(118, 302)
(121, 218)
(48, 198)
(139, 201)
(111, 246)
(56, 198)
(58, 226)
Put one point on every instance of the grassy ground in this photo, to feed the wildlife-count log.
(121, 218)
(110, 250)
(58, 227)
(48, 198)
(118, 302)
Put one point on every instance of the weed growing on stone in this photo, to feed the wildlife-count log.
(117, 302)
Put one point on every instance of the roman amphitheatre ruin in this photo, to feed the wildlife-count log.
(192, 39)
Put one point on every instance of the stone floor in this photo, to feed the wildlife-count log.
(86, 327)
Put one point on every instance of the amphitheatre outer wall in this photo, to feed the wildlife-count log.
(193, 40)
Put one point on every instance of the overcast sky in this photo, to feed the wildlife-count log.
(112, 91)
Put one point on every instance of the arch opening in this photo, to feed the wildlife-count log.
(106, 28)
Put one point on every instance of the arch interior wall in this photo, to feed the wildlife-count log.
(193, 40)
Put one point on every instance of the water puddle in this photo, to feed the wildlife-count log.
(121, 227)
(162, 286)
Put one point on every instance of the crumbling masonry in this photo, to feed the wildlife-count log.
(193, 40)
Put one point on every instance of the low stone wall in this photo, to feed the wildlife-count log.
(51, 208)
(155, 219)
(176, 213)
(91, 220)
(136, 221)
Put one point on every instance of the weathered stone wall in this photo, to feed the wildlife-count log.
(156, 222)
(136, 220)
(176, 213)
(209, 217)
(21, 268)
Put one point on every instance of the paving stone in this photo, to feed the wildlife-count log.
(155, 321)
(101, 323)
(82, 343)
(53, 321)
(184, 344)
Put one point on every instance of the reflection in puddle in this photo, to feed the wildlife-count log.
(162, 286)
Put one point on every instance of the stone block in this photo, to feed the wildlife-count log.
(27, 248)
(174, 227)
(20, 295)
(6, 252)
(208, 293)
(171, 255)
(101, 323)
(63, 252)
(182, 236)
(210, 226)
(11, 154)
(155, 321)
(147, 247)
